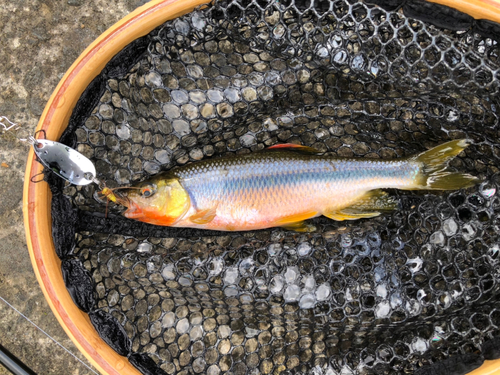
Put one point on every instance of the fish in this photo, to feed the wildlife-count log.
(285, 185)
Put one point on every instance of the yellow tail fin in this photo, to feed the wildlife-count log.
(435, 174)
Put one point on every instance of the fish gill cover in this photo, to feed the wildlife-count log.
(414, 291)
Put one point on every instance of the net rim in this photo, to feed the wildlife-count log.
(478, 9)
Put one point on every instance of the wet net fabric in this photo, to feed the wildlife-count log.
(413, 291)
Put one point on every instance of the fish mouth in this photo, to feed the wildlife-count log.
(133, 211)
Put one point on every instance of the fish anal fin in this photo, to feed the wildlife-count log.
(204, 216)
(300, 226)
(293, 147)
(374, 200)
(348, 214)
(372, 204)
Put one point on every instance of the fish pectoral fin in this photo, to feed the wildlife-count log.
(204, 216)
(293, 147)
(300, 226)
(296, 222)
(372, 204)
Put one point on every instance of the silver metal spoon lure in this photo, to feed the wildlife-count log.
(64, 161)
(70, 165)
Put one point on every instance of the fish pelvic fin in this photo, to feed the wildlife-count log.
(372, 204)
(435, 175)
(296, 222)
(292, 219)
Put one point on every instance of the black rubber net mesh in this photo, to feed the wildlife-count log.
(413, 291)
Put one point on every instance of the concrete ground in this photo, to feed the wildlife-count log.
(39, 40)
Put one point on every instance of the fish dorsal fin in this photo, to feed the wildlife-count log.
(293, 147)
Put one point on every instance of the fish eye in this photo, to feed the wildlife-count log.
(148, 191)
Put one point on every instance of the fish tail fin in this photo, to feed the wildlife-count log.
(435, 175)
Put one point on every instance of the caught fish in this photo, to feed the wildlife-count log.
(285, 185)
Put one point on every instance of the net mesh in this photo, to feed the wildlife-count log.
(414, 291)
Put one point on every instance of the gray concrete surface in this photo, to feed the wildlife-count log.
(39, 41)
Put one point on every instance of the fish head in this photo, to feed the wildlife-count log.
(161, 201)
